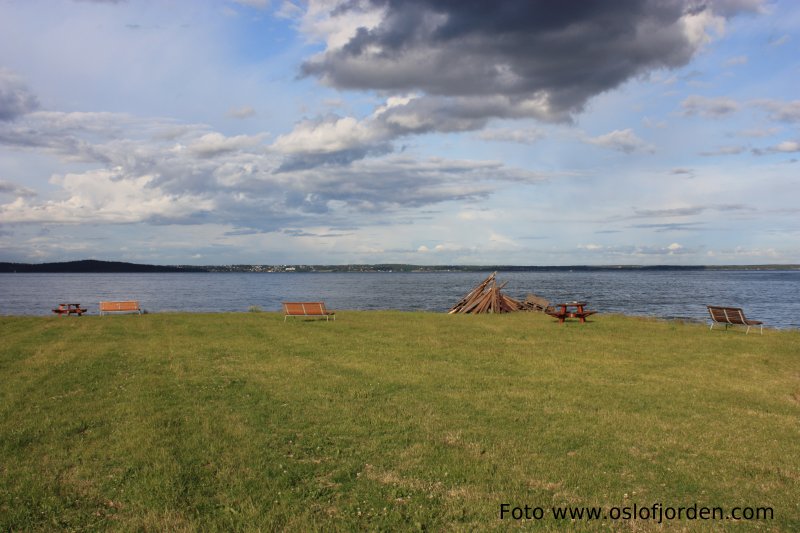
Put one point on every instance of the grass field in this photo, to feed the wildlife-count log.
(393, 421)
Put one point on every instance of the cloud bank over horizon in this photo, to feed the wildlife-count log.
(379, 131)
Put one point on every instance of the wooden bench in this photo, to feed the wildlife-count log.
(732, 316)
(312, 309)
(120, 307)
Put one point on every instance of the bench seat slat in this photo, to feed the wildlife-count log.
(121, 306)
(312, 309)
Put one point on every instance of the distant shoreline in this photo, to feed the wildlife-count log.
(111, 267)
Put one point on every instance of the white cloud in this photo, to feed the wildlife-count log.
(289, 10)
(242, 112)
(214, 144)
(786, 147)
(101, 196)
(477, 215)
(499, 240)
(621, 140)
(781, 111)
(521, 136)
(709, 107)
(257, 4)
(780, 41)
(738, 60)
(759, 132)
(724, 150)
(319, 23)
(328, 135)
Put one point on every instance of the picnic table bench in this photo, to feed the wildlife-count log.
(732, 316)
(312, 309)
(69, 309)
(562, 312)
(120, 307)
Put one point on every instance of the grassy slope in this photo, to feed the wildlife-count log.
(386, 420)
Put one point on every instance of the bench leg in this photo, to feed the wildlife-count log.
(760, 329)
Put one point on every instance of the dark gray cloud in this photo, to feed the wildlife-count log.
(689, 173)
(459, 65)
(556, 54)
(675, 212)
(677, 226)
(292, 232)
(13, 189)
(16, 99)
(305, 161)
(688, 211)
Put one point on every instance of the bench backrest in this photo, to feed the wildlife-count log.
(131, 305)
(304, 308)
(731, 315)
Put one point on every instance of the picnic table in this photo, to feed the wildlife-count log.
(563, 312)
(69, 309)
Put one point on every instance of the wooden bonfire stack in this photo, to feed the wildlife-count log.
(487, 298)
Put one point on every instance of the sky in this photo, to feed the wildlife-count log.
(513, 132)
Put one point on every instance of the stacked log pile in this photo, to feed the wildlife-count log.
(487, 298)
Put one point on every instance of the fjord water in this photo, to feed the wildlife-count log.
(770, 296)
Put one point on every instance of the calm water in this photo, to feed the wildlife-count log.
(771, 296)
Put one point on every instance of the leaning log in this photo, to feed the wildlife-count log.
(487, 297)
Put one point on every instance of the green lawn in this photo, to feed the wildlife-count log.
(392, 421)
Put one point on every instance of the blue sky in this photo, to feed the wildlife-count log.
(384, 131)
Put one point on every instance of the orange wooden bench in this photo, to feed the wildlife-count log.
(120, 307)
(732, 316)
(312, 309)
